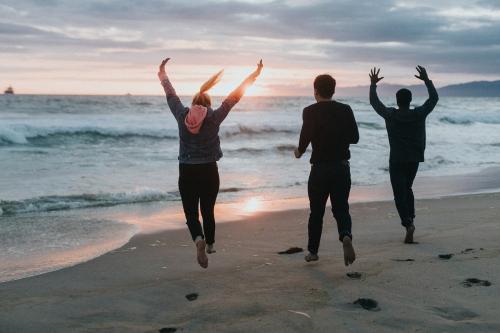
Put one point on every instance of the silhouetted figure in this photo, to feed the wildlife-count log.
(199, 151)
(330, 127)
(406, 131)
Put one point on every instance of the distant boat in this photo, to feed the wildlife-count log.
(9, 91)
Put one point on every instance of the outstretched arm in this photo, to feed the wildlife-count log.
(431, 102)
(377, 105)
(235, 96)
(240, 91)
(173, 100)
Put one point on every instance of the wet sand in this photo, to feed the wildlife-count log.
(248, 287)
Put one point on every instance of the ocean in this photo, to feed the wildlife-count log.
(66, 159)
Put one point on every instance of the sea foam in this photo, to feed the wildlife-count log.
(66, 202)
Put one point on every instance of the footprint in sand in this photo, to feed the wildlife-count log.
(354, 275)
(448, 256)
(445, 256)
(471, 250)
(292, 250)
(367, 304)
(167, 330)
(454, 313)
(191, 297)
(475, 282)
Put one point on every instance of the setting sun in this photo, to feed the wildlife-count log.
(188, 84)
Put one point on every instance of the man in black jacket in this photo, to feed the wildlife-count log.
(406, 131)
(330, 127)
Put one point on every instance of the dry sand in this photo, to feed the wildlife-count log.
(248, 287)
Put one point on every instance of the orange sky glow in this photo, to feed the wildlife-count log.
(114, 47)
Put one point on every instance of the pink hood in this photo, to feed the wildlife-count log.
(194, 118)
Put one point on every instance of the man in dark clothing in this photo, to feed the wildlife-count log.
(330, 127)
(406, 131)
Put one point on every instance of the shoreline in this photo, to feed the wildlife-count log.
(142, 285)
(155, 217)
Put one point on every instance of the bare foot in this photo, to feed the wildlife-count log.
(311, 257)
(349, 255)
(201, 255)
(210, 248)
(409, 234)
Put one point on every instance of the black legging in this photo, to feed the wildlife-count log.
(199, 185)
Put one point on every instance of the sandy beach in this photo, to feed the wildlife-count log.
(248, 287)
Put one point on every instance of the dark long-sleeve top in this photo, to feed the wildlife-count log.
(330, 127)
(203, 147)
(406, 128)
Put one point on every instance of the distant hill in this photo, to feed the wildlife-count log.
(472, 89)
(469, 89)
(382, 90)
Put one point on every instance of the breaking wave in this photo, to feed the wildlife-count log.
(67, 202)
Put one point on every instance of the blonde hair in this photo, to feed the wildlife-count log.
(201, 97)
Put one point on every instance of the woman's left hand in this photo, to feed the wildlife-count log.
(162, 75)
(257, 72)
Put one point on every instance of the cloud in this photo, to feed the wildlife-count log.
(452, 36)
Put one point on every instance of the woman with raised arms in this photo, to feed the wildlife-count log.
(199, 151)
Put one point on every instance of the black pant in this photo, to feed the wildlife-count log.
(402, 176)
(328, 179)
(199, 185)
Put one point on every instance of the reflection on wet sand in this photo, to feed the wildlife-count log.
(252, 205)
(156, 217)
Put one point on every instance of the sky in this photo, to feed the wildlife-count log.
(115, 46)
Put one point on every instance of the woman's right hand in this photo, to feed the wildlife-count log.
(297, 153)
(162, 75)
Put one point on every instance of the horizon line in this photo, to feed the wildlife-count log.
(249, 96)
(276, 95)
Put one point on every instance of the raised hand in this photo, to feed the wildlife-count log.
(162, 75)
(374, 75)
(257, 72)
(422, 74)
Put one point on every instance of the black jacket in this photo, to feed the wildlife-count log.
(330, 127)
(406, 128)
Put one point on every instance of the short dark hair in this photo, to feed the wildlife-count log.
(403, 97)
(325, 85)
